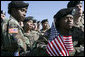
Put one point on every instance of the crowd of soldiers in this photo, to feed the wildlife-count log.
(22, 36)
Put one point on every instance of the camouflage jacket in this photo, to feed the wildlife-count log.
(33, 36)
(14, 38)
(80, 24)
(38, 43)
(78, 41)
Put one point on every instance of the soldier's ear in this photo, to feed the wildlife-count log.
(11, 11)
(14, 12)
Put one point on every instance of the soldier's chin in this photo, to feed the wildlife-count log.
(69, 26)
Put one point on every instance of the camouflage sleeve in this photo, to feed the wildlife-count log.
(40, 48)
(44, 38)
(81, 38)
(79, 51)
(80, 48)
(7, 41)
(42, 42)
(16, 33)
(81, 43)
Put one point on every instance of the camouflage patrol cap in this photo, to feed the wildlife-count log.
(45, 20)
(73, 3)
(17, 4)
(63, 12)
(28, 18)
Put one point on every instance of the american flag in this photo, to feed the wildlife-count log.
(57, 46)
(68, 43)
(13, 30)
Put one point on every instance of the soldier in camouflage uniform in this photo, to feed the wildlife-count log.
(82, 19)
(3, 18)
(78, 41)
(34, 38)
(4, 21)
(35, 25)
(41, 43)
(45, 26)
(78, 29)
(14, 40)
(66, 29)
(78, 18)
(29, 33)
(2, 25)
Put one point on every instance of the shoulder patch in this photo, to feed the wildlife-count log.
(13, 30)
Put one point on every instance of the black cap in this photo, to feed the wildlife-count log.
(28, 18)
(45, 20)
(38, 21)
(73, 3)
(63, 12)
(17, 4)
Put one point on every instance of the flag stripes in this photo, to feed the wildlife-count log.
(56, 47)
(68, 43)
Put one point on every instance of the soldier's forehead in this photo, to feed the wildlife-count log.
(69, 15)
(25, 9)
(46, 22)
(30, 21)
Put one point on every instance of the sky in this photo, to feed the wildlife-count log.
(40, 9)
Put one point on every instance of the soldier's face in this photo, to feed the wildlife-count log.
(45, 25)
(29, 24)
(66, 22)
(21, 13)
(78, 9)
(34, 26)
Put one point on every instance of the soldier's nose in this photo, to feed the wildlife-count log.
(69, 20)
